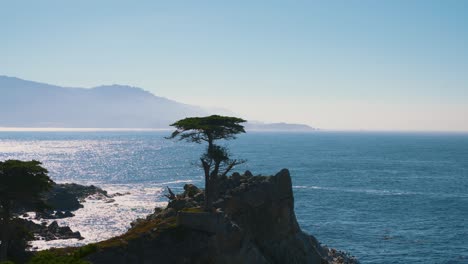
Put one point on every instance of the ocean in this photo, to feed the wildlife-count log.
(383, 197)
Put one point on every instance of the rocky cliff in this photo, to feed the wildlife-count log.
(254, 222)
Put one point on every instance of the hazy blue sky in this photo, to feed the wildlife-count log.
(385, 65)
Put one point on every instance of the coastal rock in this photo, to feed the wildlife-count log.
(63, 199)
(191, 190)
(179, 204)
(248, 174)
(49, 232)
(254, 222)
(68, 197)
(48, 214)
(54, 231)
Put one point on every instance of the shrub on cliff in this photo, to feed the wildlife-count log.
(48, 257)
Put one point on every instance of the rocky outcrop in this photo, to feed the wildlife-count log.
(254, 222)
(61, 200)
(69, 196)
(48, 232)
(54, 231)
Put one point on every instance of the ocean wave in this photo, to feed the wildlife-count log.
(381, 192)
(176, 181)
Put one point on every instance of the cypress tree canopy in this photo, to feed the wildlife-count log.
(210, 128)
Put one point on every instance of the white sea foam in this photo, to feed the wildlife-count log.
(100, 220)
(173, 182)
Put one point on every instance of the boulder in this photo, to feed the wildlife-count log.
(54, 231)
(248, 174)
(190, 190)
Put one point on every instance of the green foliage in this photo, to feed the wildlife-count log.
(216, 154)
(7, 262)
(145, 227)
(48, 257)
(193, 210)
(22, 181)
(64, 255)
(85, 251)
(19, 238)
(209, 128)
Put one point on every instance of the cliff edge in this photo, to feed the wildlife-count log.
(254, 222)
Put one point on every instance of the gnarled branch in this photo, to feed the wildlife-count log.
(171, 196)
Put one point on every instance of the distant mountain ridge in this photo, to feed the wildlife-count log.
(32, 104)
(38, 105)
(278, 127)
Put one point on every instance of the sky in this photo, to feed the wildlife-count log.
(337, 65)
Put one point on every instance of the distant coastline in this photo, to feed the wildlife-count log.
(59, 129)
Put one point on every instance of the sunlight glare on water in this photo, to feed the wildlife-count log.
(384, 197)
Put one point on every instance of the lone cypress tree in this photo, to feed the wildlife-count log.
(215, 161)
(21, 182)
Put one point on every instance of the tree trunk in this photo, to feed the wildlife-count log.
(208, 192)
(210, 142)
(4, 239)
(209, 184)
(214, 181)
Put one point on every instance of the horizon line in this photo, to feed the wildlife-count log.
(92, 129)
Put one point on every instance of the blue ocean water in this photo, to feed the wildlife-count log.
(383, 197)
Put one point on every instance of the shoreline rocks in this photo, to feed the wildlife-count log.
(63, 199)
(253, 222)
(70, 196)
(49, 232)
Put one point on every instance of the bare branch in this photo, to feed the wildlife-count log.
(171, 196)
(231, 165)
